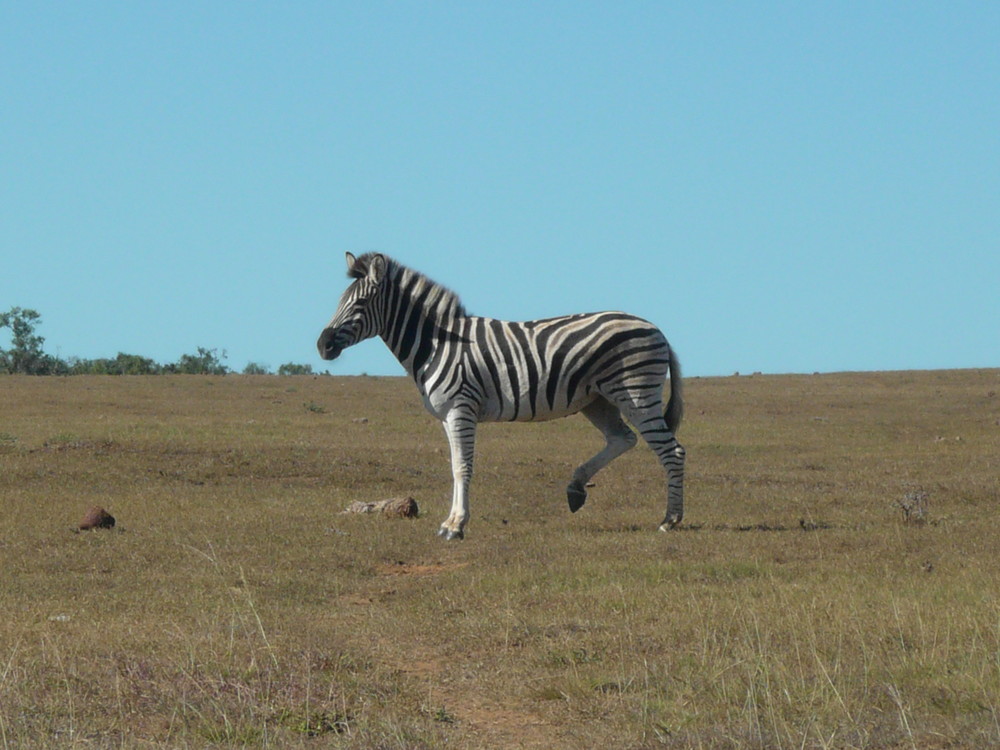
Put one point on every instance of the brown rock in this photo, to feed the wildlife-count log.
(359, 506)
(396, 507)
(400, 507)
(97, 518)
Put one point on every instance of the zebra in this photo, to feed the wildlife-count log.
(471, 369)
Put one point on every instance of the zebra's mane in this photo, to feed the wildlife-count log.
(439, 300)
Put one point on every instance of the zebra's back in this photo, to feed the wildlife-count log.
(543, 369)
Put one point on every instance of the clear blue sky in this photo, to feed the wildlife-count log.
(783, 187)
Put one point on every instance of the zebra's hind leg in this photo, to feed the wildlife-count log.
(653, 428)
(460, 427)
(605, 416)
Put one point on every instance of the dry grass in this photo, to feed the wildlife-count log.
(233, 606)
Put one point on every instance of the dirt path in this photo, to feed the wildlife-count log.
(455, 689)
(482, 718)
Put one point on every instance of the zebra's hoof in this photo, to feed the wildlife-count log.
(449, 534)
(670, 522)
(576, 496)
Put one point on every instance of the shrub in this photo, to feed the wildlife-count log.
(290, 368)
(123, 364)
(25, 357)
(205, 362)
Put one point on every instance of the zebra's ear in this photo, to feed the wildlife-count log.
(376, 268)
(355, 269)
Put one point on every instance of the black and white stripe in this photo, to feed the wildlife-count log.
(471, 369)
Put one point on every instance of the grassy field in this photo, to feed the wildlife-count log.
(234, 605)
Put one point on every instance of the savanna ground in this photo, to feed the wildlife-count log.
(234, 606)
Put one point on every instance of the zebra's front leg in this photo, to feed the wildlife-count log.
(460, 426)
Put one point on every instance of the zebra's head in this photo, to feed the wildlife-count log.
(358, 315)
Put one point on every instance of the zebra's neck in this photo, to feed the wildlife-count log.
(419, 315)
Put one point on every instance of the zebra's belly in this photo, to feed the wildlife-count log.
(493, 409)
(527, 410)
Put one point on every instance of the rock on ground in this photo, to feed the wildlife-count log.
(396, 507)
(96, 518)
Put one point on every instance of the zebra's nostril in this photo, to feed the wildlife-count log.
(327, 344)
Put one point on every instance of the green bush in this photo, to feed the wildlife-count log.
(25, 357)
(205, 362)
(290, 368)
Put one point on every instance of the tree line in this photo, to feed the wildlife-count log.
(26, 356)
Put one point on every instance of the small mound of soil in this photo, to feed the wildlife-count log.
(96, 518)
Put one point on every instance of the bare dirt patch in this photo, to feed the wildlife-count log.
(493, 723)
(418, 569)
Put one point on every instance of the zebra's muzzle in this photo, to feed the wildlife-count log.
(328, 344)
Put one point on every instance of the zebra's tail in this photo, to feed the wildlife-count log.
(674, 412)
